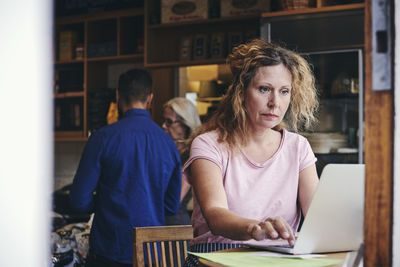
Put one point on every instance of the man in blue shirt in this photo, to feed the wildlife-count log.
(134, 167)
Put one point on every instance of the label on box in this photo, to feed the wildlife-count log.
(183, 10)
(231, 8)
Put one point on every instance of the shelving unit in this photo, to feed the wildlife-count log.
(332, 39)
(316, 29)
(107, 38)
(133, 38)
(170, 36)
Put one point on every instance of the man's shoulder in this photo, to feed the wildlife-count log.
(132, 125)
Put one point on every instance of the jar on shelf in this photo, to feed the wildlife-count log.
(79, 51)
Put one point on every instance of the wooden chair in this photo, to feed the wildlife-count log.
(158, 239)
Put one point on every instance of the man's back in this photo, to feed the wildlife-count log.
(134, 167)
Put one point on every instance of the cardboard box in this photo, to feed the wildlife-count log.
(231, 8)
(183, 10)
(67, 43)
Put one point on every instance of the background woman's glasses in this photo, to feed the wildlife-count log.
(169, 122)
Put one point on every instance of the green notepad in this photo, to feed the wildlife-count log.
(240, 259)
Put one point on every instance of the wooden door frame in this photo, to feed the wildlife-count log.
(378, 114)
(396, 154)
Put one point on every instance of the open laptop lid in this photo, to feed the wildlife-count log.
(334, 221)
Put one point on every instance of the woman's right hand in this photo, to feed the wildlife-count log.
(272, 228)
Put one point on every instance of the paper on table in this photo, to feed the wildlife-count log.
(240, 259)
(280, 255)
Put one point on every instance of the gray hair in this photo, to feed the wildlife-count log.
(186, 111)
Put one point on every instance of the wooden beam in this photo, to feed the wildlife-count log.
(163, 87)
(378, 114)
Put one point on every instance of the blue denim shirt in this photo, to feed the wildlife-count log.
(134, 168)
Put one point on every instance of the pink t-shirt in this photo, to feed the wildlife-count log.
(253, 190)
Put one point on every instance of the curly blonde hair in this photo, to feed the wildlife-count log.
(230, 119)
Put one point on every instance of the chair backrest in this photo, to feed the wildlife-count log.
(158, 239)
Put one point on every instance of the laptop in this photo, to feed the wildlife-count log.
(334, 221)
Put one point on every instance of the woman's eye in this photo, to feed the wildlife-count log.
(285, 91)
(265, 89)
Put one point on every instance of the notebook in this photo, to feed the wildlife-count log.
(334, 221)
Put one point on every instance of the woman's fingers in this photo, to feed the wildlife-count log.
(256, 232)
(269, 229)
(280, 229)
(272, 228)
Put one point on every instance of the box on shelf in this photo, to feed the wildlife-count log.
(105, 49)
(67, 43)
(217, 45)
(183, 10)
(185, 49)
(200, 46)
(68, 114)
(231, 8)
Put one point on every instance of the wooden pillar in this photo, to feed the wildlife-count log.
(378, 140)
(163, 87)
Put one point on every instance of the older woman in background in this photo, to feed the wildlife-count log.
(180, 120)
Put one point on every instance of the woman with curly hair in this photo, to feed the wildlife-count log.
(252, 175)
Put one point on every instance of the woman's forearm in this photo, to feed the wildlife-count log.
(228, 224)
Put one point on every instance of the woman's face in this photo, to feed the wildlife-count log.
(172, 126)
(268, 96)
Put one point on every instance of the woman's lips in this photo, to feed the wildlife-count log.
(270, 116)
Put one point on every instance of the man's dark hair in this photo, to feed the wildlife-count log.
(135, 85)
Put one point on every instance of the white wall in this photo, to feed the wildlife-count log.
(26, 132)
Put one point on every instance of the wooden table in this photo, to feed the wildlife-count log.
(206, 263)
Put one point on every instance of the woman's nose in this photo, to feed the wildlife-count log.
(272, 100)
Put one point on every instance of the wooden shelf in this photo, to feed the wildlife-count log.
(72, 61)
(118, 33)
(208, 61)
(170, 35)
(117, 58)
(206, 22)
(69, 136)
(100, 16)
(313, 10)
(69, 94)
